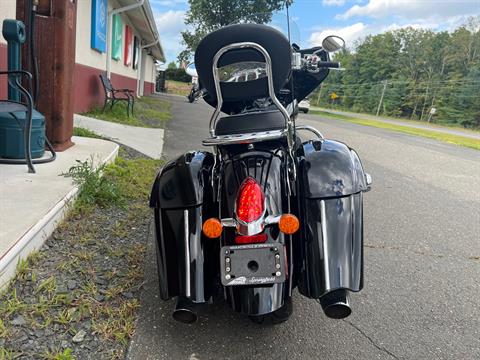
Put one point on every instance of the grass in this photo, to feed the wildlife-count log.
(431, 134)
(178, 87)
(148, 112)
(85, 133)
(123, 187)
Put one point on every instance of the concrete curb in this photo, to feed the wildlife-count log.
(38, 234)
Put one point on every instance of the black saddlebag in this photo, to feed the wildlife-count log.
(331, 180)
(182, 198)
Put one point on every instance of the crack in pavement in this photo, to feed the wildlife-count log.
(381, 348)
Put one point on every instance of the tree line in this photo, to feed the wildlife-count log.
(417, 70)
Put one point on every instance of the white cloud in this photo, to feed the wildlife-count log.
(349, 33)
(358, 31)
(333, 2)
(170, 24)
(413, 9)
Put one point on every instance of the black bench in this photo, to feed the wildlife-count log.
(117, 95)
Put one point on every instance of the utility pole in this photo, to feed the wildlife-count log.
(319, 93)
(381, 97)
(424, 103)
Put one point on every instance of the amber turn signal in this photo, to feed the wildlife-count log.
(212, 228)
(288, 224)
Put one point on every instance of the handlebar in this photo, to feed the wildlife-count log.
(328, 64)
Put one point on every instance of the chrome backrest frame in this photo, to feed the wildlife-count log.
(269, 74)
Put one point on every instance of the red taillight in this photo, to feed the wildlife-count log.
(252, 239)
(250, 201)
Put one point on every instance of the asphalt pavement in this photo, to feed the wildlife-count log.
(414, 124)
(421, 298)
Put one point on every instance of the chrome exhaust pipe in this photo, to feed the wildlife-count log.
(336, 304)
(185, 310)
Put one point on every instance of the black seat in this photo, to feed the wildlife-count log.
(250, 123)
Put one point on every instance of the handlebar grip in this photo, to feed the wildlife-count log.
(328, 64)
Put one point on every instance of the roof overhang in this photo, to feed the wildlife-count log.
(144, 23)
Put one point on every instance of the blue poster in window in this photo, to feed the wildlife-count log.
(99, 25)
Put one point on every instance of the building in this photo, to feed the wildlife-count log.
(133, 49)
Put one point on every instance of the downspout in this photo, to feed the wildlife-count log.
(140, 80)
(109, 29)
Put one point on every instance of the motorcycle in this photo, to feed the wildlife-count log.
(196, 91)
(267, 210)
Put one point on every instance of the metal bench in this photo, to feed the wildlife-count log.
(113, 95)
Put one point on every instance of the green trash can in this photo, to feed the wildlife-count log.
(12, 125)
(12, 143)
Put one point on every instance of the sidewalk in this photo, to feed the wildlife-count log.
(412, 124)
(31, 205)
(148, 141)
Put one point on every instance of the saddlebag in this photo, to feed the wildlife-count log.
(182, 198)
(331, 180)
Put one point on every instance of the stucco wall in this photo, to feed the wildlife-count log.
(85, 55)
(7, 11)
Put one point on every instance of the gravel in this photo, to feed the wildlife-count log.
(79, 293)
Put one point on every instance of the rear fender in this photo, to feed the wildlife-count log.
(181, 198)
(268, 168)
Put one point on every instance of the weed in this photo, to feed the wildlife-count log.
(8, 354)
(85, 133)
(3, 330)
(93, 187)
(59, 355)
(48, 286)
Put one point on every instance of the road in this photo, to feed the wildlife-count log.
(422, 263)
(432, 127)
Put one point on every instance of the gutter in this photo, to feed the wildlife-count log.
(141, 70)
(109, 29)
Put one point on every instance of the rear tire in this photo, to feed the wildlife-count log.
(277, 317)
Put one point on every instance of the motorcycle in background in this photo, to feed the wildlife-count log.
(269, 209)
(196, 92)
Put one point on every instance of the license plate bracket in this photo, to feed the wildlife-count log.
(252, 264)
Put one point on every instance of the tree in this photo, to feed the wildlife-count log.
(423, 69)
(172, 65)
(206, 16)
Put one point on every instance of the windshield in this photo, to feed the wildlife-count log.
(252, 70)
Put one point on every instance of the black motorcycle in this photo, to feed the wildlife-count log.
(266, 211)
(196, 92)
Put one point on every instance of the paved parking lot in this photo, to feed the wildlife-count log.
(422, 263)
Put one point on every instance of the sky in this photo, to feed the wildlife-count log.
(351, 19)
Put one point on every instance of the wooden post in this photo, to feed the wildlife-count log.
(55, 30)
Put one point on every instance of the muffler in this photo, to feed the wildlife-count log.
(185, 310)
(336, 304)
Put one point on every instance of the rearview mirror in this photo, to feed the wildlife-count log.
(191, 70)
(333, 43)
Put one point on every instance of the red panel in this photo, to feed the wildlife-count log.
(127, 56)
(88, 90)
(148, 88)
(3, 67)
